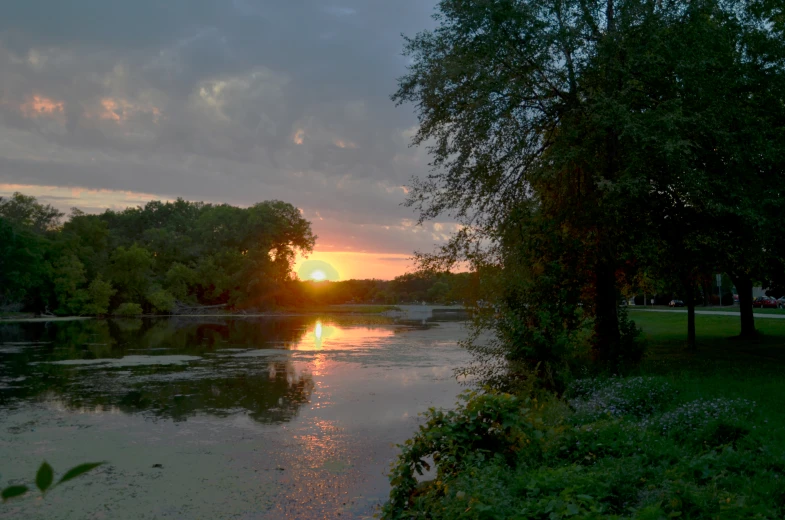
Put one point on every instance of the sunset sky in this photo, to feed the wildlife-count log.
(114, 103)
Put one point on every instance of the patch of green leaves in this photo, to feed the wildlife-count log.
(696, 458)
(45, 477)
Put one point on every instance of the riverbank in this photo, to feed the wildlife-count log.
(358, 309)
(688, 434)
(37, 319)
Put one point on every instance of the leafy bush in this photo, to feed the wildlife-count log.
(128, 309)
(628, 451)
(161, 300)
(486, 426)
(100, 292)
(619, 397)
(707, 421)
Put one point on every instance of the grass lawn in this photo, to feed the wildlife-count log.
(725, 308)
(722, 365)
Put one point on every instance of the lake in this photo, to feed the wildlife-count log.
(252, 418)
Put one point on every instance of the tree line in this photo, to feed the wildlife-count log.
(146, 259)
(591, 146)
(411, 288)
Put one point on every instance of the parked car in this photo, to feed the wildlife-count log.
(765, 302)
(676, 303)
(781, 303)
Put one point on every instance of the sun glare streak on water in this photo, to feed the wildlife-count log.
(317, 332)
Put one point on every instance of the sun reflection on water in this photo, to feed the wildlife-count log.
(331, 336)
(317, 332)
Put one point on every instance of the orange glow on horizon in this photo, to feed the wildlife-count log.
(355, 265)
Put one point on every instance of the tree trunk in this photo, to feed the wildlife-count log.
(689, 289)
(607, 338)
(743, 284)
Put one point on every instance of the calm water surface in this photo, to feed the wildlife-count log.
(215, 418)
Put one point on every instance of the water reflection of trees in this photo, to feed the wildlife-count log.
(268, 388)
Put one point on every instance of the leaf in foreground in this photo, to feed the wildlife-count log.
(13, 491)
(44, 477)
(76, 471)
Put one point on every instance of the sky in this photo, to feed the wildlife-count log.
(112, 103)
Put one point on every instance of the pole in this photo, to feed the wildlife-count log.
(719, 287)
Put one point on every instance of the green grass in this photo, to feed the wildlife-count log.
(726, 308)
(623, 448)
(718, 347)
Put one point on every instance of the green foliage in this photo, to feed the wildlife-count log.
(68, 277)
(197, 253)
(594, 399)
(485, 427)
(79, 470)
(23, 270)
(45, 477)
(161, 300)
(128, 309)
(179, 280)
(130, 270)
(25, 211)
(13, 492)
(697, 436)
(719, 463)
(100, 293)
(583, 144)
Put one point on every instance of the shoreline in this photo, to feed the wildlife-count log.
(272, 314)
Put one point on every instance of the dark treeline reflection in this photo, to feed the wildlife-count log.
(168, 368)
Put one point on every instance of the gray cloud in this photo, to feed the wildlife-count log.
(234, 101)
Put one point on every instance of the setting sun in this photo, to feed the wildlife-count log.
(317, 271)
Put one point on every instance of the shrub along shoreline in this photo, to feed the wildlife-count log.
(618, 448)
(693, 435)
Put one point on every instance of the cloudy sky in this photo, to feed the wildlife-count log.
(110, 103)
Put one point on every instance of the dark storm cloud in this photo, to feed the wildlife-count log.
(233, 101)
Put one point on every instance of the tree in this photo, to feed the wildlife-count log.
(721, 175)
(516, 101)
(131, 270)
(22, 265)
(197, 252)
(100, 294)
(68, 277)
(604, 118)
(179, 280)
(25, 210)
(161, 300)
